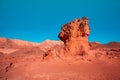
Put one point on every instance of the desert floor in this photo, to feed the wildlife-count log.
(33, 68)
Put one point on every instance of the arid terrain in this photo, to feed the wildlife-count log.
(71, 58)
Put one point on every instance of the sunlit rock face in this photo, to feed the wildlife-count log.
(75, 36)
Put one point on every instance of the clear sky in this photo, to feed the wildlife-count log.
(38, 20)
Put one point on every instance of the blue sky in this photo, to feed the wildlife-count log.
(38, 20)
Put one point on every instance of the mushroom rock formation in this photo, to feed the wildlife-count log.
(75, 37)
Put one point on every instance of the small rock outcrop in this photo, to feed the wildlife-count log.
(75, 36)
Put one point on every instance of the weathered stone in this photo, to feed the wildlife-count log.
(75, 36)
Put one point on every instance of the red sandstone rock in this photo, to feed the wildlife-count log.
(75, 36)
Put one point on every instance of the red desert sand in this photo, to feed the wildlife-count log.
(72, 58)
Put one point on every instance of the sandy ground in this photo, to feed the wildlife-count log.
(8, 51)
(32, 68)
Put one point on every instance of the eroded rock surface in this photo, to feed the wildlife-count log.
(75, 36)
